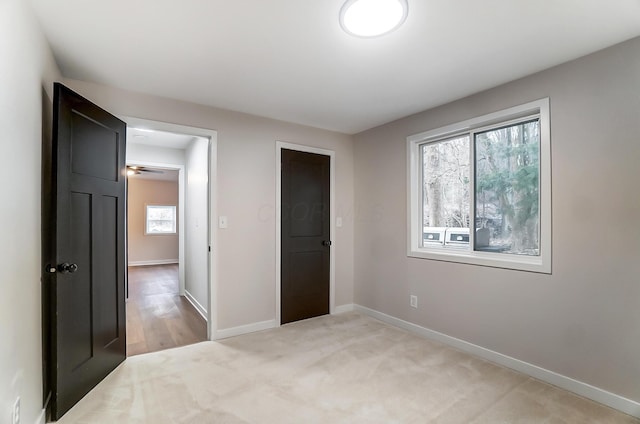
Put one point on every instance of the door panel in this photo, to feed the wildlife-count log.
(75, 293)
(107, 323)
(307, 201)
(305, 256)
(92, 140)
(87, 321)
(307, 273)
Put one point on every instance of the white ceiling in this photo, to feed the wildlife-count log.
(166, 175)
(290, 60)
(158, 138)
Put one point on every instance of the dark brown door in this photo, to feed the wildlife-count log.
(305, 256)
(87, 262)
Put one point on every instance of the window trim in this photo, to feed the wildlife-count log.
(146, 219)
(541, 263)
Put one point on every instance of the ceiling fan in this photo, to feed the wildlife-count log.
(137, 170)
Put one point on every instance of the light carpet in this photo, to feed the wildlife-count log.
(345, 368)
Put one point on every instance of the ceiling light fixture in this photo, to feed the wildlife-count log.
(371, 18)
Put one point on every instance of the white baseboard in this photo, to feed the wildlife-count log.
(153, 262)
(612, 400)
(265, 325)
(41, 417)
(343, 308)
(244, 329)
(201, 309)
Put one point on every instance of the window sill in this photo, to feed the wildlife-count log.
(495, 260)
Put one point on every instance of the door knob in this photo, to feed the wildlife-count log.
(67, 268)
(326, 243)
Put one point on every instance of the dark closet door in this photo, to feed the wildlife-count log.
(87, 272)
(305, 256)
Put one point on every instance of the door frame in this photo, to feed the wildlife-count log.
(332, 220)
(212, 206)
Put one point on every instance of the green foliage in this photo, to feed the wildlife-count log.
(507, 179)
(506, 184)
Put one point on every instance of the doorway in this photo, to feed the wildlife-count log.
(170, 263)
(305, 231)
(159, 316)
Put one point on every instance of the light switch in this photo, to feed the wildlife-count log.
(339, 222)
(222, 222)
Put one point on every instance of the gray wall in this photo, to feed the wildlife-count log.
(583, 321)
(155, 154)
(27, 71)
(196, 221)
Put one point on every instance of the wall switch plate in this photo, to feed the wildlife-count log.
(339, 222)
(413, 301)
(222, 222)
(16, 412)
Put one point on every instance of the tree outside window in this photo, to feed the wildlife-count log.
(480, 190)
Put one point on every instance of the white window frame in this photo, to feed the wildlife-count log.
(541, 263)
(146, 220)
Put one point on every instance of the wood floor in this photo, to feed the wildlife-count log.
(158, 317)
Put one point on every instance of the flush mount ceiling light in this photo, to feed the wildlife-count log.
(371, 18)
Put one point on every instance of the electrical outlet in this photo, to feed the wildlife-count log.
(16, 412)
(413, 301)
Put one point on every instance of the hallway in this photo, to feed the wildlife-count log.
(158, 317)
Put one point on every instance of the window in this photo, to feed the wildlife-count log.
(160, 219)
(491, 174)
